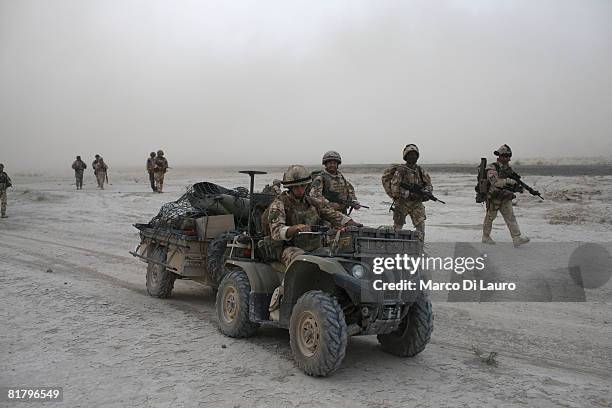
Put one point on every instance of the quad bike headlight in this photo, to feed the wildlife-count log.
(358, 271)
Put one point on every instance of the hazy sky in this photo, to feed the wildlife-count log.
(280, 81)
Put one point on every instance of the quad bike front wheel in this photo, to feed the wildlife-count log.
(318, 333)
(414, 331)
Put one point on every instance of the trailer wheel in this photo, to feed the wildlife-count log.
(414, 331)
(160, 281)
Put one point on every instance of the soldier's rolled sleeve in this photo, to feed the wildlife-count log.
(277, 221)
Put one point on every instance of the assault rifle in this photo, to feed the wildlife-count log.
(516, 177)
(417, 189)
(334, 197)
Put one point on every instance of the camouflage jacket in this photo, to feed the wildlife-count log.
(325, 183)
(161, 165)
(79, 165)
(150, 164)
(101, 167)
(5, 181)
(287, 210)
(497, 175)
(93, 165)
(411, 175)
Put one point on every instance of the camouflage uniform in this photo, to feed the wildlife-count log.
(5, 182)
(100, 172)
(150, 168)
(500, 200)
(287, 210)
(161, 166)
(79, 167)
(407, 203)
(499, 197)
(325, 182)
(94, 163)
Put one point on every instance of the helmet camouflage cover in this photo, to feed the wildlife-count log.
(331, 155)
(503, 149)
(296, 175)
(160, 152)
(410, 148)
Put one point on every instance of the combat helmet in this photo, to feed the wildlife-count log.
(160, 152)
(1, 166)
(276, 182)
(331, 155)
(410, 148)
(296, 175)
(503, 149)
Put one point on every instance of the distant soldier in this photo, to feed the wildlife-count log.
(406, 202)
(159, 171)
(500, 196)
(331, 187)
(101, 172)
(5, 182)
(150, 169)
(93, 164)
(275, 188)
(79, 167)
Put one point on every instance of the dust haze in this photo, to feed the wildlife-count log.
(275, 82)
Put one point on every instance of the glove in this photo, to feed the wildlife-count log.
(510, 182)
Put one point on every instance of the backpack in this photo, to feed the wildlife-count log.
(388, 176)
(482, 182)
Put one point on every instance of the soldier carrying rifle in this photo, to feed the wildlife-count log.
(409, 186)
(500, 185)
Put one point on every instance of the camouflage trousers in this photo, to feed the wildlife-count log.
(416, 210)
(505, 208)
(289, 254)
(100, 177)
(3, 201)
(159, 181)
(78, 175)
(152, 180)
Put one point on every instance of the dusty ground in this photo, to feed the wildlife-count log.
(75, 314)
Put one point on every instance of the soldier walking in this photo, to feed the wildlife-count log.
(500, 195)
(5, 182)
(406, 202)
(159, 171)
(101, 172)
(79, 167)
(331, 187)
(93, 164)
(150, 170)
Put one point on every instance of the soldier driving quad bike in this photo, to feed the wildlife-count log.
(288, 271)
